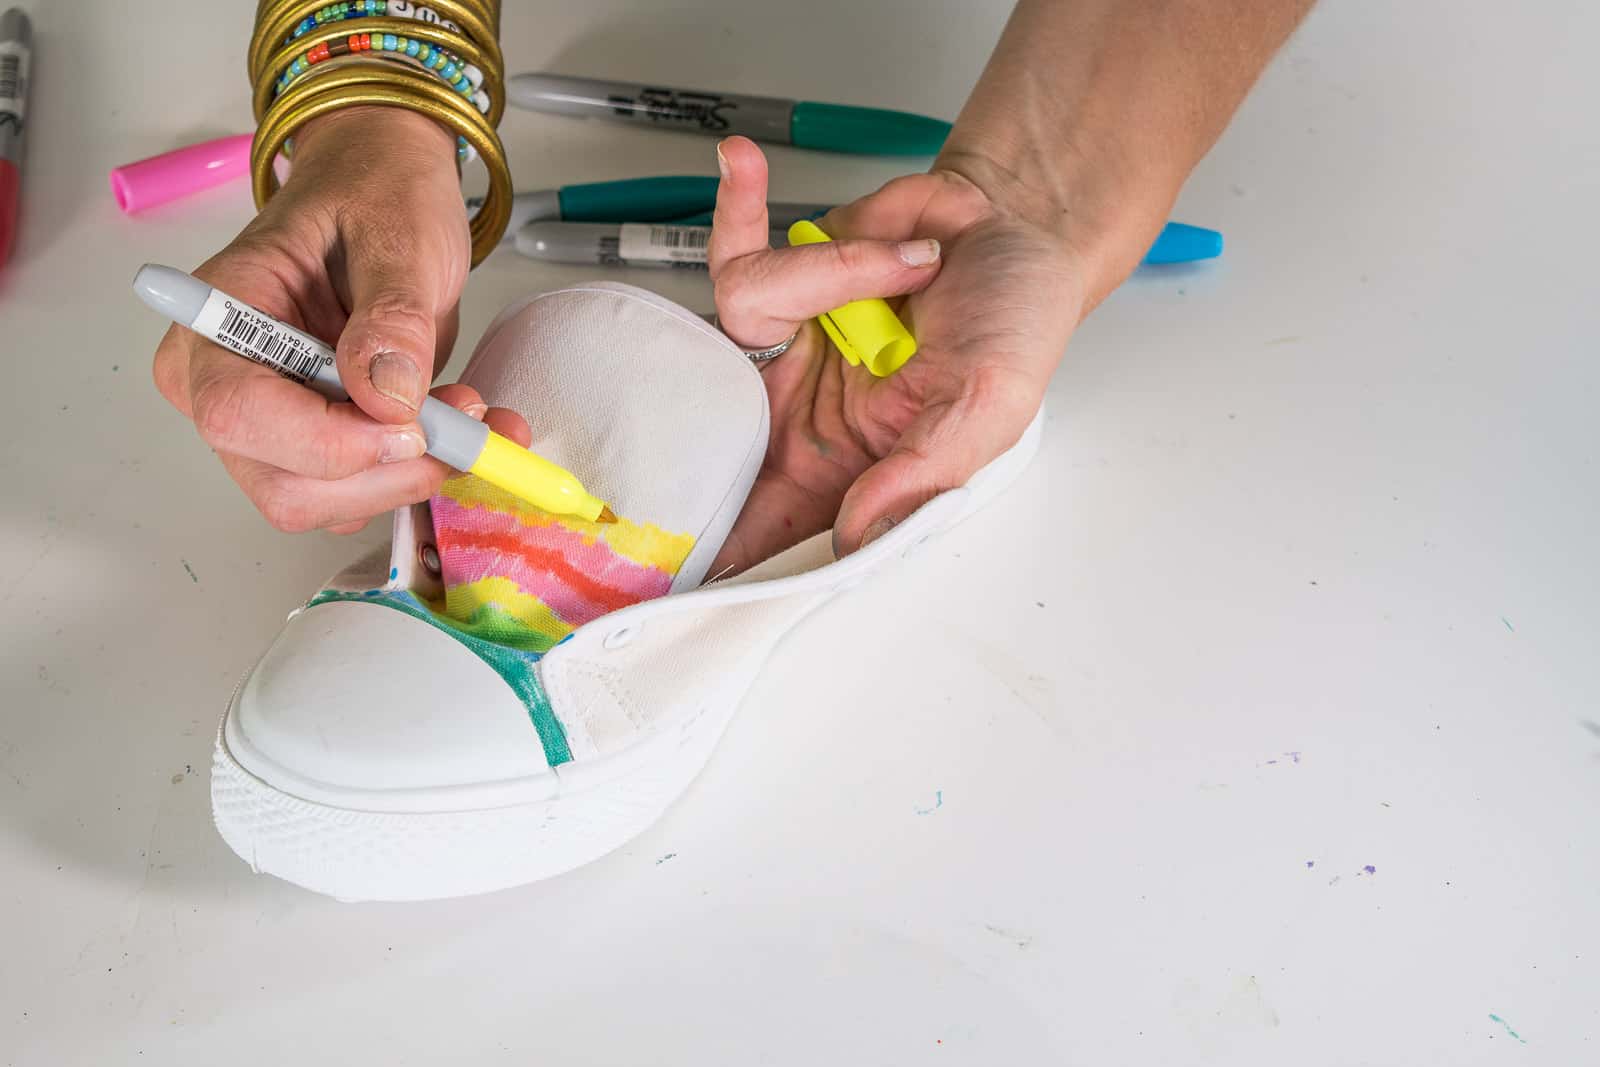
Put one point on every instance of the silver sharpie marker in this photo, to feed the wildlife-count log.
(830, 127)
(453, 436)
(631, 244)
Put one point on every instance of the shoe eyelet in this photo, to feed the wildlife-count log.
(621, 638)
(429, 557)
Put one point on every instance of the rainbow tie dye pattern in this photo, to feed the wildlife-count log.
(519, 577)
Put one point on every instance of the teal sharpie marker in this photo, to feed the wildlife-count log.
(830, 127)
(665, 198)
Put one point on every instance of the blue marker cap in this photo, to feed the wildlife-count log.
(1182, 243)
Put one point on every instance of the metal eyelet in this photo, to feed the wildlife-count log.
(429, 557)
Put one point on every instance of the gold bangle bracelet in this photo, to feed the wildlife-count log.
(357, 87)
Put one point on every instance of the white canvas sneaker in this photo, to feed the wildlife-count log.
(382, 751)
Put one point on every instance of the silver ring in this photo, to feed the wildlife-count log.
(761, 355)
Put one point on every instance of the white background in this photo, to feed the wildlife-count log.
(1332, 495)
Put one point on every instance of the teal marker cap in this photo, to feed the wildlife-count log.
(658, 199)
(865, 130)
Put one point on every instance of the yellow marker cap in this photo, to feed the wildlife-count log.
(867, 332)
(535, 479)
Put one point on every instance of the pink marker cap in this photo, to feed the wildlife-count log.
(180, 172)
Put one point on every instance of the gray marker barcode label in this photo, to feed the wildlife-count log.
(641, 242)
(241, 328)
(13, 79)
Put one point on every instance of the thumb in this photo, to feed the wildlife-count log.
(386, 352)
(940, 450)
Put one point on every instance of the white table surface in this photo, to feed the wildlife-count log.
(1305, 574)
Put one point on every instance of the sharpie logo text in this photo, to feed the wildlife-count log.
(666, 105)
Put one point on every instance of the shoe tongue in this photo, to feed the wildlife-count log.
(658, 414)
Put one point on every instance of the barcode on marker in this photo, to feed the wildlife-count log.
(680, 237)
(254, 339)
(679, 245)
(13, 78)
(10, 77)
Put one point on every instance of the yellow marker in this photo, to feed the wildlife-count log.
(538, 481)
(867, 332)
(535, 479)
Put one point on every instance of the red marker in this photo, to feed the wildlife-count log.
(16, 49)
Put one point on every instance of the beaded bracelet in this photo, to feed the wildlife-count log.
(373, 8)
(389, 46)
(442, 49)
(474, 22)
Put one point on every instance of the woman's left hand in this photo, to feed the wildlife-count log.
(991, 297)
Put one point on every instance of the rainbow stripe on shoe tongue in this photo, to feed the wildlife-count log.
(523, 578)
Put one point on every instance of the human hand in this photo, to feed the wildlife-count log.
(993, 298)
(367, 243)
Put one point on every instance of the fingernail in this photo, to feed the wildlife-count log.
(476, 410)
(918, 253)
(401, 445)
(396, 377)
(877, 530)
(722, 160)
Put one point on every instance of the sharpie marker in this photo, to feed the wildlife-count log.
(16, 53)
(684, 243)
(1177, 242)
(632, 244)
(831, 127)
(453, 436)
(686, 198)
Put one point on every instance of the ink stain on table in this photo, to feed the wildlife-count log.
(192, 576)
(1507, 621)
(1507, 1025)
(665, 858)
(1590, 725)
(938, 802)
(1021, 940)
(1368, 869)
(1310, 864)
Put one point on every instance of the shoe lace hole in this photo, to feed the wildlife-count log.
(429, 555)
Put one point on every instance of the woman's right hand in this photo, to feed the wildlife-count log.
(366, 243)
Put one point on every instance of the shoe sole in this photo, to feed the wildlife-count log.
(358, 855)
